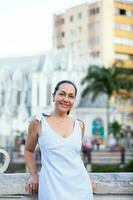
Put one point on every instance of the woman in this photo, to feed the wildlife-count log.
(63, 175)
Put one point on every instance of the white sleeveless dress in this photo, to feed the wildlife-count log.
(63, 175)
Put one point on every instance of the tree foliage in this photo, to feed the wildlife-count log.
(99, 80)
(116, 129)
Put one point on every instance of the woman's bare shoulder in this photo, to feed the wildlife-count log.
(34, 126)
(35, 122)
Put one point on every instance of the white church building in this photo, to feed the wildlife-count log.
(26, 87)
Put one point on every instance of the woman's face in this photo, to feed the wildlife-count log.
(64, 97)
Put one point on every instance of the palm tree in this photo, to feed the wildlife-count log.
(109, 81)
(117, 130)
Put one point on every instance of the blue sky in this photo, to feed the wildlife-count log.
(26, 25)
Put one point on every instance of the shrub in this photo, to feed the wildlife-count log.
(105, 168)
(128, 167)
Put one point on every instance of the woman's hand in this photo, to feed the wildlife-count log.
(93, 186)
(32, 184)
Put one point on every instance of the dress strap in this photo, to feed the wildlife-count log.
(78, 122)
(81, 122)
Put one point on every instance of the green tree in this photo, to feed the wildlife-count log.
(117, 130)
(109, 81)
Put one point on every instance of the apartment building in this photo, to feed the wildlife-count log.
(102, 30)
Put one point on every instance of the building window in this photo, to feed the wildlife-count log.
(80, 15)
(62, 34)
(94, 40)
(97, 10)
(94, 11)
(122, 12)
(123, 27)
(59, 22)
(62, 20)
(121, 56)
(128, 13)
(71, 18)
(95, 54)
(131, 57)
(94, 25)
(60, 46)
(123, 41)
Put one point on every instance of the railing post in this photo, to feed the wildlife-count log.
(122, 155)
(89, 156)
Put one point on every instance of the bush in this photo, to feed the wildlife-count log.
(128, 167)
(105, 168)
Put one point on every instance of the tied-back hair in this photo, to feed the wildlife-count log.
(62, 82)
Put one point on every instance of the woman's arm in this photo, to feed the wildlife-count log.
(31, 142)
(82, 126)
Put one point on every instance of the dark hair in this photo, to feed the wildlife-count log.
(62, 82)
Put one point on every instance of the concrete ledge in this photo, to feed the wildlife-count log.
(109, 186)
(113, 183)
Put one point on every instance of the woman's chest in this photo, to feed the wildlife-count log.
(49, 139)
(61, 128)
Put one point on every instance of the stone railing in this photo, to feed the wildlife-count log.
(116, 186)
(108, 185)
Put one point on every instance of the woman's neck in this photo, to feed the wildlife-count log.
(58, 114)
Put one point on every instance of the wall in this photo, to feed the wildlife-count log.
(109, 186)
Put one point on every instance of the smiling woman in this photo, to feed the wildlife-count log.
(66, 95)
(63, 175)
